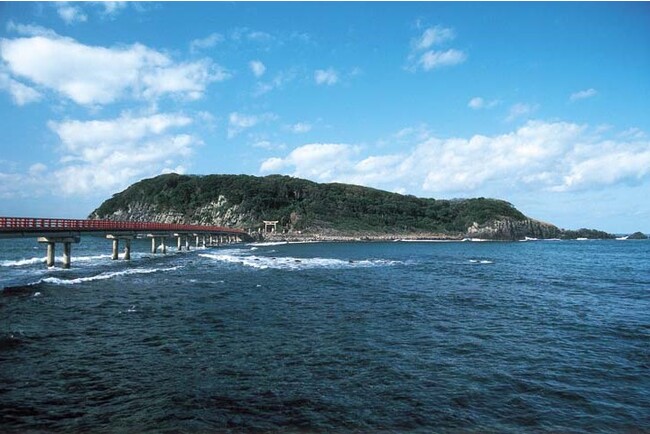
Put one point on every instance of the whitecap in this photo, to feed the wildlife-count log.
(291, 263)
(274, 243)
(22, 262)
(480, 261)
(105, 276)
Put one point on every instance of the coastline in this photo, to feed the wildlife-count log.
(361, 237)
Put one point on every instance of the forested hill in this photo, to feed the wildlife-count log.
(244, 201)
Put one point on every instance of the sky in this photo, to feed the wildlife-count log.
(545, 105)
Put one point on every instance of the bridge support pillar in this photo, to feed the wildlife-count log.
(116, 246)
(51, 247)
(187, 243)
(66, 254)
(179, 243)
(163, 246)
(127, 249)
(153, 245)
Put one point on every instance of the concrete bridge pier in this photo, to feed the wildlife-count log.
(179, 242)
(51, 248)
(116, 246)
(67, 250)
(154, 243)
(127, 249)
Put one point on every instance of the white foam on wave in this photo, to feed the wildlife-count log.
(291, 263)
(274, 243)
(87, 258)
(22, 262)
(480, 261)
(105, 276)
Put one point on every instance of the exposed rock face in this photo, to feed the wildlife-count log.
(510, 229)
(143, 212)
(219, 213)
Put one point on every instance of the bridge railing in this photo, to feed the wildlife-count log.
(16, 224)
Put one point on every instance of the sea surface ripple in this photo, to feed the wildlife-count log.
(358, 337)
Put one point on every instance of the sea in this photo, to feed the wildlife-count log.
(502, 337)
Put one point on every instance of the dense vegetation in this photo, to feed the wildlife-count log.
(303, 205)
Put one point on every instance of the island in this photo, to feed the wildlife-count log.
(281, 207)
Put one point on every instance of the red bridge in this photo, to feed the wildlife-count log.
(68, 231)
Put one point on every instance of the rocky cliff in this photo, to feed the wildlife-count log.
(509, 229)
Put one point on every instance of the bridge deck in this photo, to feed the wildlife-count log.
(12, 227)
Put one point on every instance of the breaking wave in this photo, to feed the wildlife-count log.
(104, 276)
(292, 263)
(22, 262)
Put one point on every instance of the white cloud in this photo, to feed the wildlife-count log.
(91, 75)
(204, 43)
(20, 93)
(421, 56)
(478, 103)
(555, 156)
(519, 110)
(277, 82)
(437, 59)
(238, 122)
(300, 127)
(30, 30)
(326, 76)
(257, 68)
(112, 8)
(37, 169)
(583, 94)
(433, 36)
(70, 13)
(319, 161)
(110, 154)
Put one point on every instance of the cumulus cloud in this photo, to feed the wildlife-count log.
(326, 76)
(433, 36)
(70, 13)
(423, 56)
(112, 8)
(583, 94)
(277, 82)
(257, 68)
(436, 59)
(550, 156)
(300, 127)
(20, 93)
(105, 155)
(93, 75)
(520, 110)
(319, 161)
(204, 43)
(238, 122)
(478, 103)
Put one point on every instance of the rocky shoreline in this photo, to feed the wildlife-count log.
(362, 237)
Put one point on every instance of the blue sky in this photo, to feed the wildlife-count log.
(545, 105)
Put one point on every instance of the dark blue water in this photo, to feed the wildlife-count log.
(391, 337)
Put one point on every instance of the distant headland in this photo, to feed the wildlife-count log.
(301, 210)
